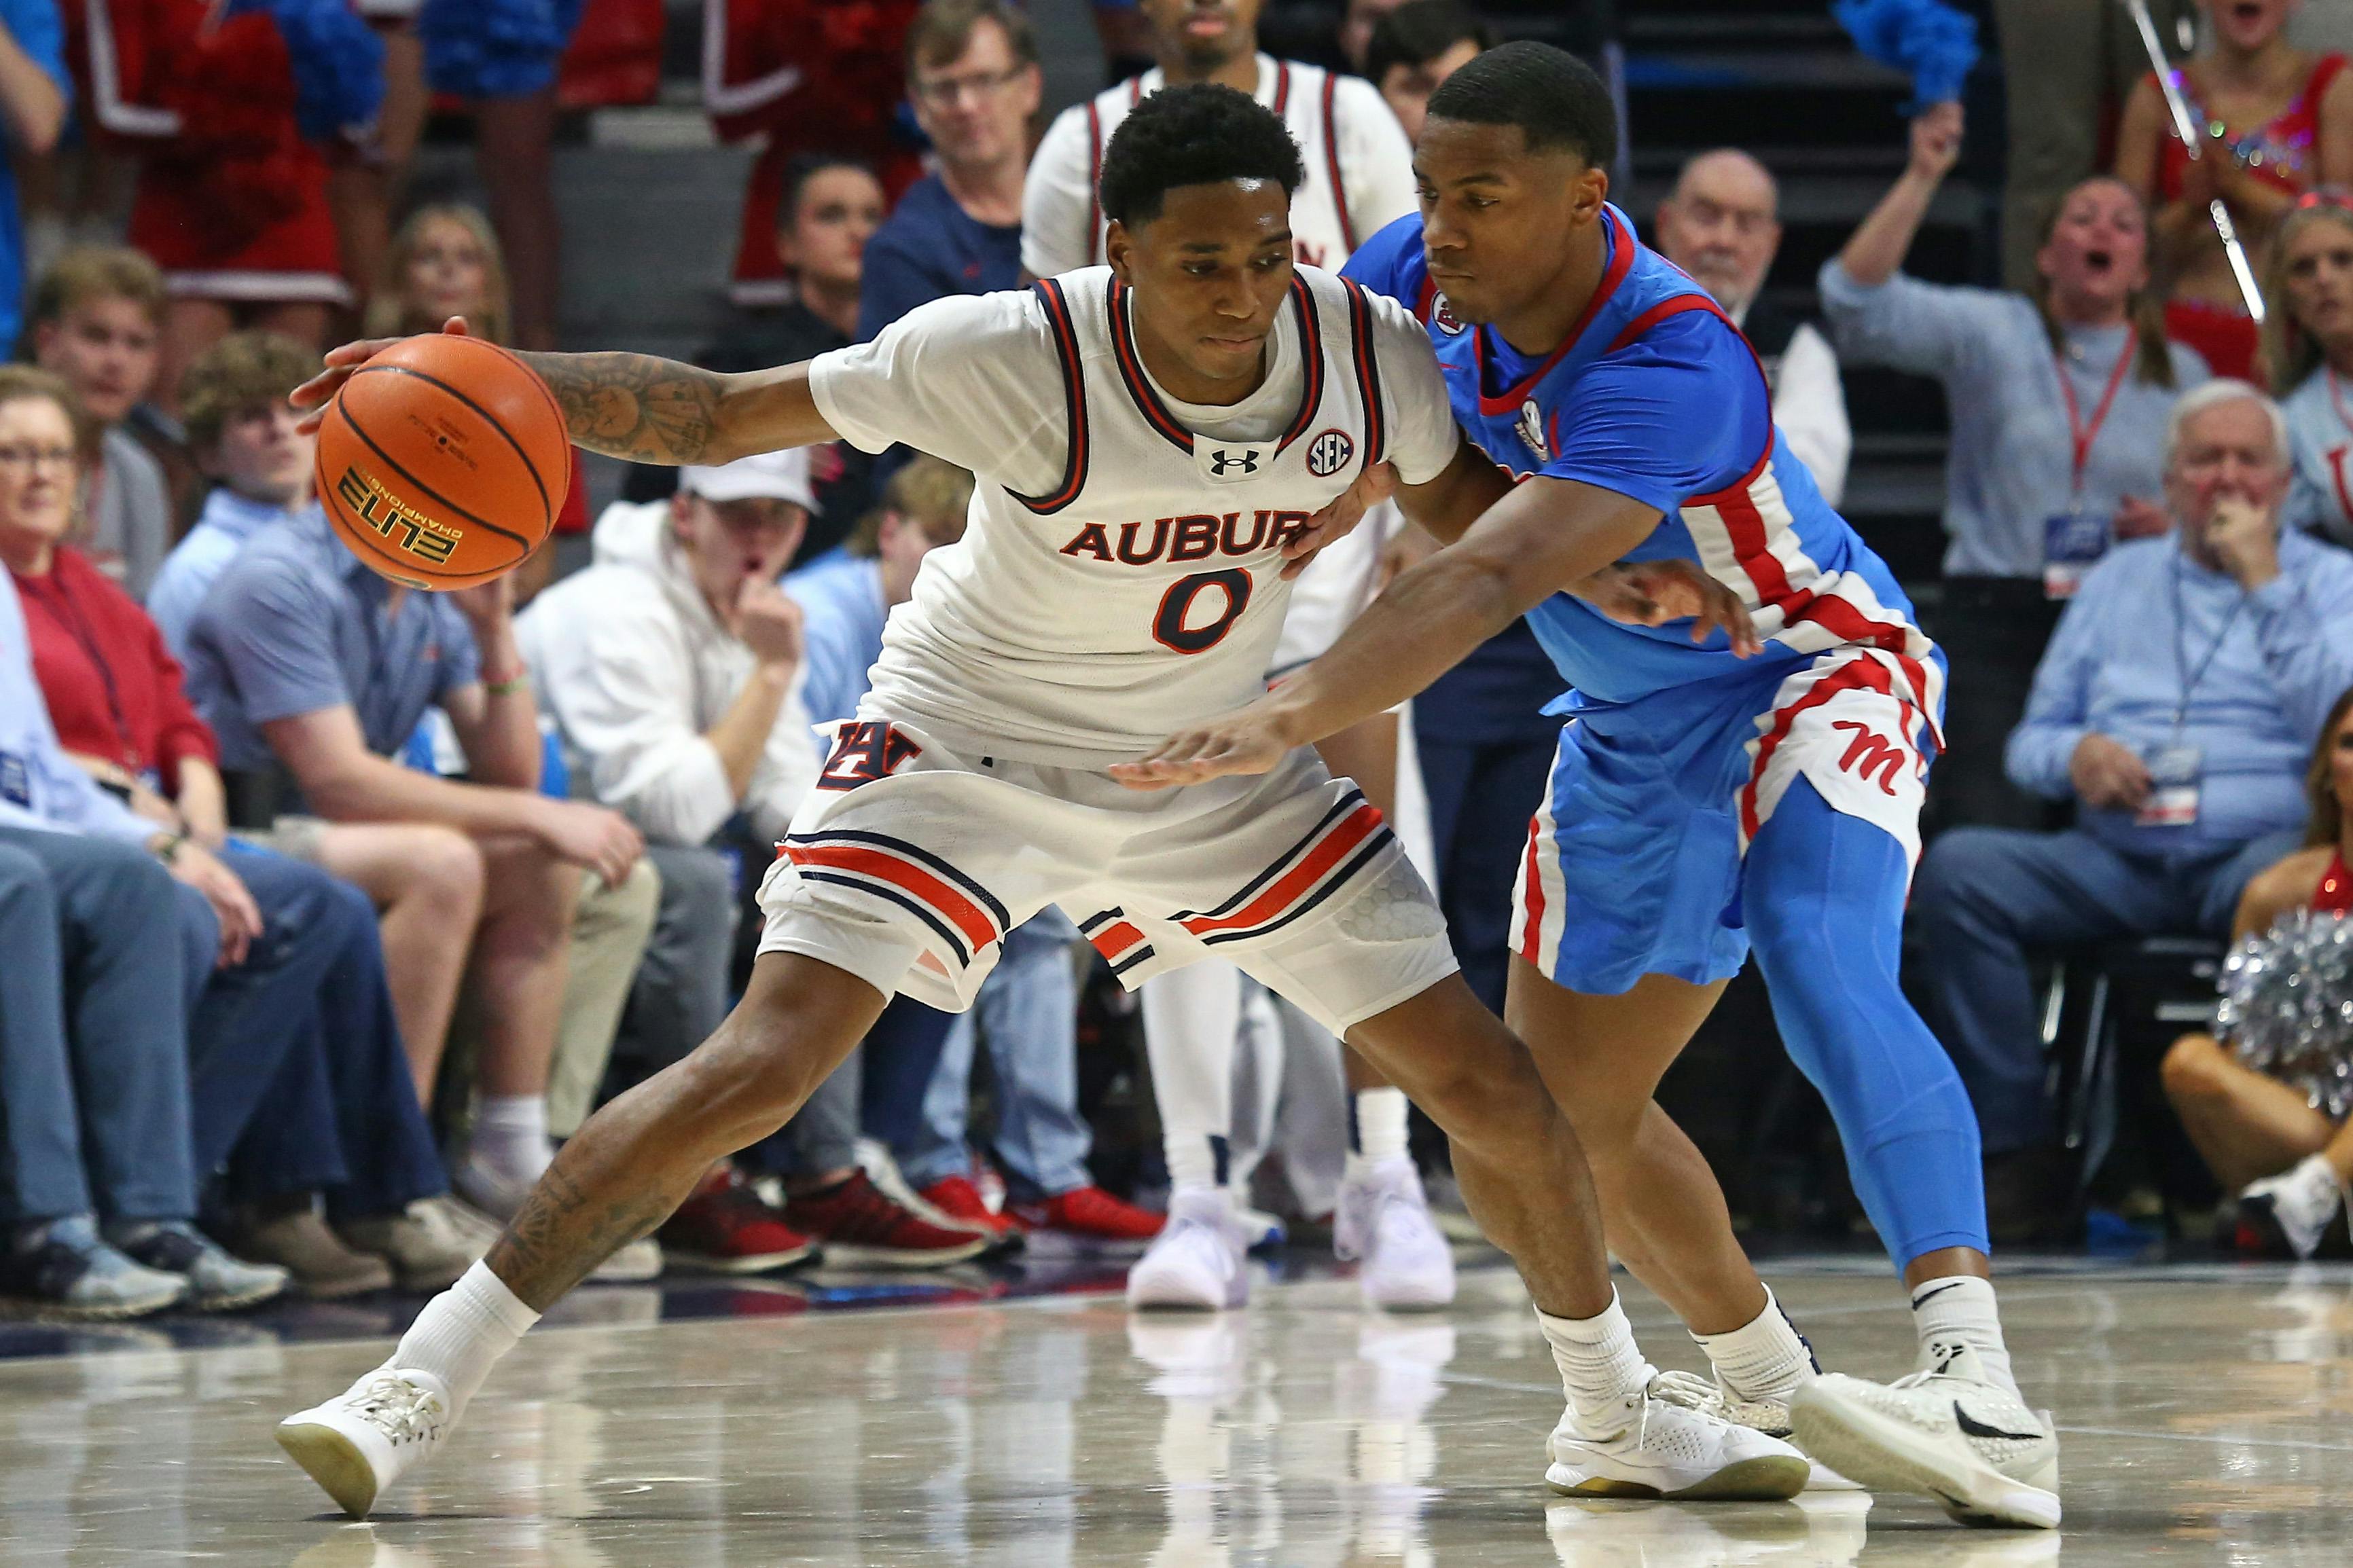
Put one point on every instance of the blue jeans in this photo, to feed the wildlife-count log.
(93, 1032)
(340, 1114)
(917, 1100)
(1984, 895)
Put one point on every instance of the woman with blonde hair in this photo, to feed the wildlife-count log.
(2308, 355)
(445, 261)
(2289, 1159)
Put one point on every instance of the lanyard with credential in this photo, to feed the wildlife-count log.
(2081, 434)
(2182, 672)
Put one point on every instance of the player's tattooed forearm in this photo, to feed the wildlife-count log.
(633, 405)
(561, 1233)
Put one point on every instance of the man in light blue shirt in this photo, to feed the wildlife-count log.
(244, 433)
(2175, 707)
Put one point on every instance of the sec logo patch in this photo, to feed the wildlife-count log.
(1329, 453)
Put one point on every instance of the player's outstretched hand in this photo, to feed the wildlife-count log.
(1653, 592)
(1247, 742)
(1339, 517)
(316, 394)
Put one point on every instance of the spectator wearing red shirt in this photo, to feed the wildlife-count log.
(329, 1104)
(235, 113)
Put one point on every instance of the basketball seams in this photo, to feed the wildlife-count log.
(422, 487)
(489, 418)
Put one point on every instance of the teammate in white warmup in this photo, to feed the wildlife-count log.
(1153, 442)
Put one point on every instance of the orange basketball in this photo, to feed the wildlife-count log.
(443, 462)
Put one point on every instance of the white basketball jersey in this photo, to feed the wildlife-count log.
(1325, 231)
(1137, 588)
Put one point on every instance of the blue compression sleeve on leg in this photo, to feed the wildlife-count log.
(1823, 894)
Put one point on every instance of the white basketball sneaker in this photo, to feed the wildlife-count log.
(1714, 1396)
(1199, 1261)
(1382, 1223)
(1661, 1449)
(364, 1439)
(1944, 1432)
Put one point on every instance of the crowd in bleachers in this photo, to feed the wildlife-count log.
(327, 908)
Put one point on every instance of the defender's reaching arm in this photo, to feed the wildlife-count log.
(1546, 536)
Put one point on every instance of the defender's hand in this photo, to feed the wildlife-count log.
(320, 390)
(1248, 741)
(1339, 517)
(1653, 592)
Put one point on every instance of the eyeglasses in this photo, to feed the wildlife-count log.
(34, 457)
(941, 91)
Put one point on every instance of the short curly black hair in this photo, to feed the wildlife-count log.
(1198, 135)
(1554, 97)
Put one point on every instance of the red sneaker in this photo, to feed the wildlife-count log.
(860, 1223)
(1094, 1214)
(724, 1228)
(957, 1198)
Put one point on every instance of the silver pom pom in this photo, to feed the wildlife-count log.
(2287, 1007)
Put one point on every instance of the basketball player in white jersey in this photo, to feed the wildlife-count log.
(1359, 176)
(1123, 575)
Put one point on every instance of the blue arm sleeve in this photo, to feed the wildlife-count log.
(40, 32)
(1671, 416)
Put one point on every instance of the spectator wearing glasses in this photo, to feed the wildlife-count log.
(973, 78)
(97, 321)
(2277, 121)
(338, 1112)
(2058, 400)
(2176, 708)
(2308, 355)
(1418, 45)
(1722, 225)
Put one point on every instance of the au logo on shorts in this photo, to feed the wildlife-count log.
(1329, 453)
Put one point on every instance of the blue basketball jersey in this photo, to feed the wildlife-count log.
(1655, 394)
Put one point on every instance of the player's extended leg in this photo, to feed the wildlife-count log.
(622, 1174)
(1190, 1019)
(1824, 897)
(1525, 1179)
(1602, 1057)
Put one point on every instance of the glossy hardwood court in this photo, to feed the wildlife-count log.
(2204, 1415)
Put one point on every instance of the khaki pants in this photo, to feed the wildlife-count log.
(2070, 64)
(610, 930)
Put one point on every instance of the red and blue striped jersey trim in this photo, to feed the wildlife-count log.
(1074, 402)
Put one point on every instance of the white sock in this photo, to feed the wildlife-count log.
(511, 1136)
(1961, 1307)
(1600, 1366)
(1189, 1018)
(1194, 1160)
(1378, 1130)
(1765, 1358)
(463, 1331)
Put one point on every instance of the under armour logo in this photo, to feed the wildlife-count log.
(1246, 460)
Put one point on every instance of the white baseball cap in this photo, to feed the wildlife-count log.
(782, 476)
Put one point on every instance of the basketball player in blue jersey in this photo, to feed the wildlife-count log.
(1700, 802)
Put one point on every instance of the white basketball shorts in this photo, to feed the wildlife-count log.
(908, 864)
